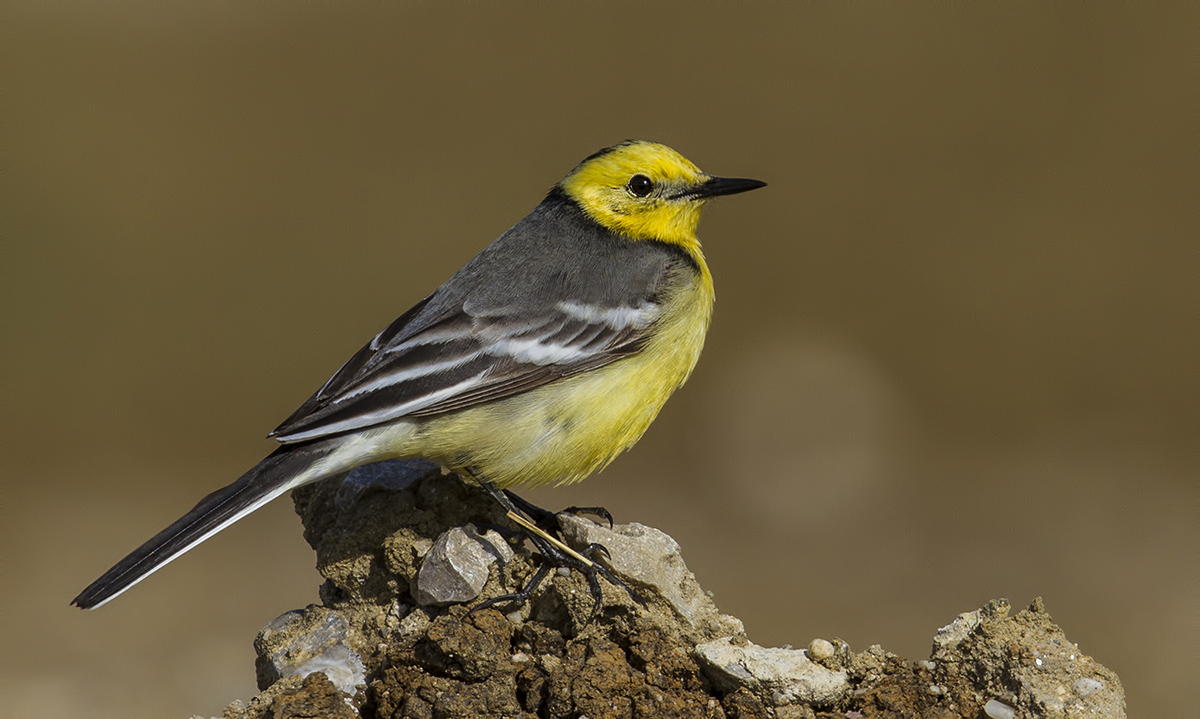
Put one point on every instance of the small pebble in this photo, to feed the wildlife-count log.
(456, 567)
(415, 623)
(999, 710)
(1087, 686)
(819, 650)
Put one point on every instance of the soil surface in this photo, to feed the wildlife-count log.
(371, 649)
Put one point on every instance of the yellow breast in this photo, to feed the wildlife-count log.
(564, 431)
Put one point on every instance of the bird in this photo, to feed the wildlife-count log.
(538, 362)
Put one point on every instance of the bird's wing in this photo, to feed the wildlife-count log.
(464, 356)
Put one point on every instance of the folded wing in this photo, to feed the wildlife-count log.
(422, 365)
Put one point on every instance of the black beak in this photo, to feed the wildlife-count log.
(724, 186)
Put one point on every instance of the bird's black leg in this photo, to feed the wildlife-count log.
(522, 596)
(536, 525)
(545, 517)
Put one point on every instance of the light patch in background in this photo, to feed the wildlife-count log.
(817, 421)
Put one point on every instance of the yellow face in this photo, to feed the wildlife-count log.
(641, 189)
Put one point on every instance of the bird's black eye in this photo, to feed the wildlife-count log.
(640, 185)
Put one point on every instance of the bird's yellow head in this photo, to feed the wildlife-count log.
(647, 191)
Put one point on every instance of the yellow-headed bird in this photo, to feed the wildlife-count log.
(538, 362)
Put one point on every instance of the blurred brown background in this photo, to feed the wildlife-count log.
(954, 355)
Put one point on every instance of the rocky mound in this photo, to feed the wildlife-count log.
(406, 552)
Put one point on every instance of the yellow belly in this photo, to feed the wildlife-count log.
(564, 431)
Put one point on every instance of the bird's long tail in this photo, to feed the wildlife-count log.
(282, 470)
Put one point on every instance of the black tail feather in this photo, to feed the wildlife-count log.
(271, 477)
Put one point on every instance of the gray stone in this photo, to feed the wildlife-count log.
(778, 676)
(292, 649)
(645, 556)
(951, 635)
(414, 623)
(457, 566)
(999, 710)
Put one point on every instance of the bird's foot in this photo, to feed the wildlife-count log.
(540, 526)
(553, 558)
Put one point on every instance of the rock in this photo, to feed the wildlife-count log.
(295, 697)
(819, 650)
(388, 636)
(456, 567)
(988, 663)
(1026, 662)
(949, 636)
(779, 676)
(999, 710)
(647, 558)
(415, 623)
(1087, 686)
(301, 643)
